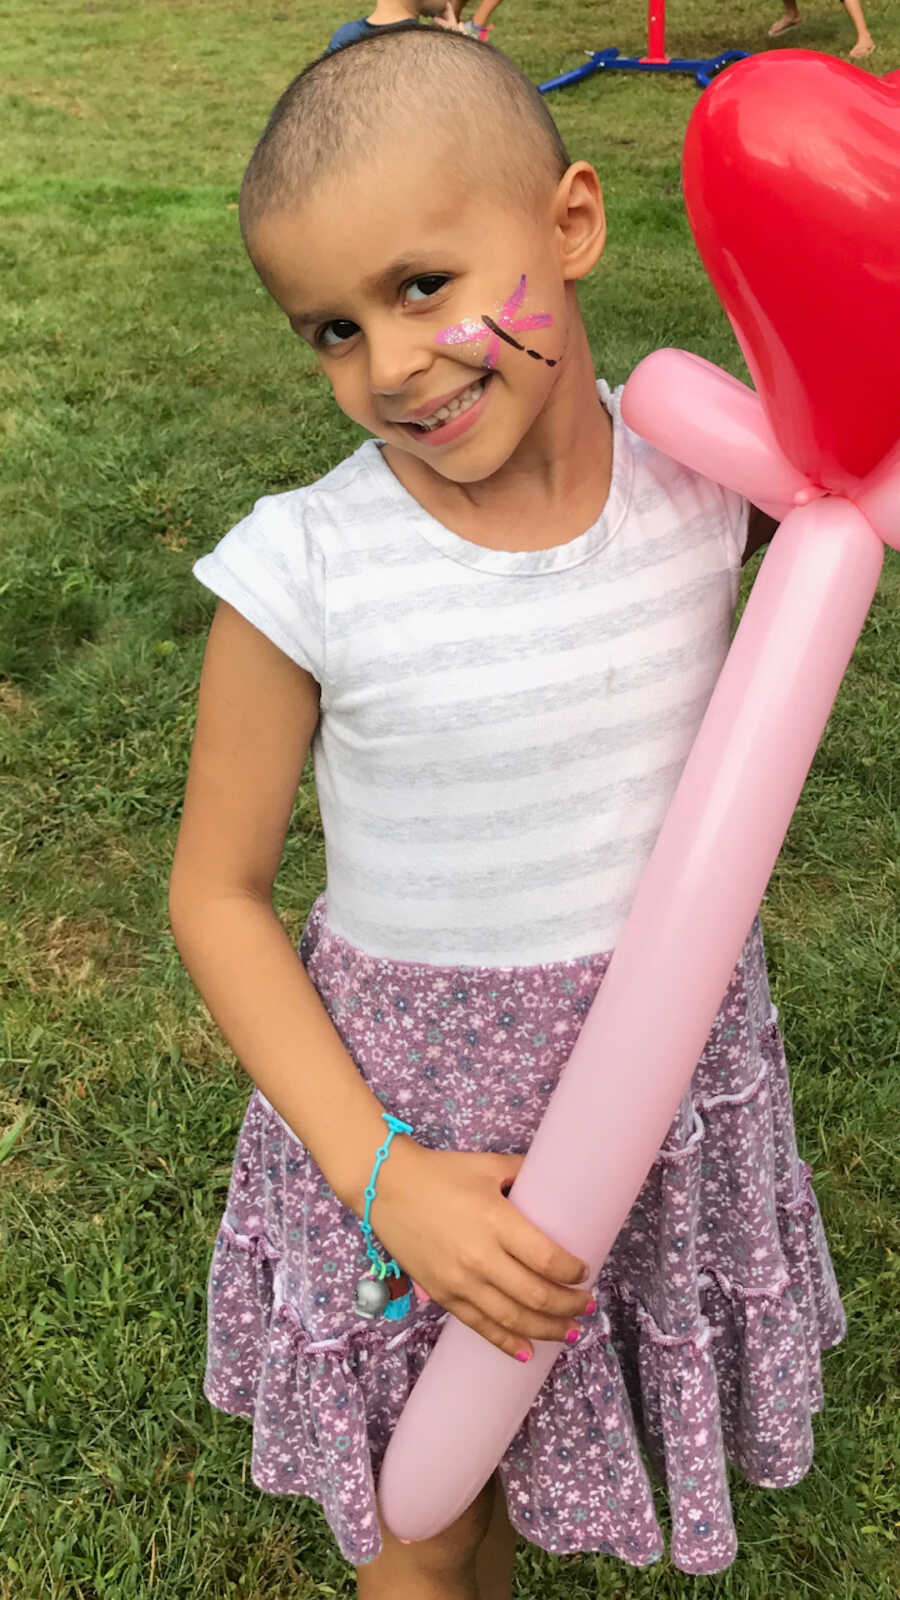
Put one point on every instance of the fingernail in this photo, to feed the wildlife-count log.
(590, 1308)
(572, 1336)
(422, 1299)
(523, 1355)
(406, 1541)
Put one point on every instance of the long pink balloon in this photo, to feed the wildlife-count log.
(642, 1037)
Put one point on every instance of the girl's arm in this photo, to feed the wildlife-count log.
(442, 1214)
(256, 716)
(760, 529)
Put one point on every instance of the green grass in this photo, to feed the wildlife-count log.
(148, 393)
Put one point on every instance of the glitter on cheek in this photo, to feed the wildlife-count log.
(461, 332)
(471, 331)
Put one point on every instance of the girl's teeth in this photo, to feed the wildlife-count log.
(461, 403)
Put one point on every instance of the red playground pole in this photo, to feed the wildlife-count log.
(656, 31)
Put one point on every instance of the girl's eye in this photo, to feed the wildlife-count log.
(337, 332)
(429, 283)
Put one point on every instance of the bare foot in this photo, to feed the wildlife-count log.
(863, 47)
(783, 24)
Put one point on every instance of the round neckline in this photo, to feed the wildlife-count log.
(558, 558)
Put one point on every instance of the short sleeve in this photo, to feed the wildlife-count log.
(269, 568)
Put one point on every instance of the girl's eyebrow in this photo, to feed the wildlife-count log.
(398, 269)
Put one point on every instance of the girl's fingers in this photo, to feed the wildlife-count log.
(511, 1344)
(501, 1313)
(530, 1303)
(524, 1324)
(537, 1253)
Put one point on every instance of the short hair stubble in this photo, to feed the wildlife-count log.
(411, 82)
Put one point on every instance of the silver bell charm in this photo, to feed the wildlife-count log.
(372, 1295)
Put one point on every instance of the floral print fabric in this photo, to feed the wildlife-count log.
(713, 1306)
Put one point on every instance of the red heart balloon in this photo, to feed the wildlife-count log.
(792, 188)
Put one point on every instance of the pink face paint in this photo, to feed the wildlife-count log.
(473, 331)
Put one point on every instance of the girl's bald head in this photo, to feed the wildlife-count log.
(404, 90)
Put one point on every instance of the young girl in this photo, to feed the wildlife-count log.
(497, 625)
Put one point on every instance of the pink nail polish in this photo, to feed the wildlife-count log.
(523, 1355)
(572, 1336)
(590, 1308)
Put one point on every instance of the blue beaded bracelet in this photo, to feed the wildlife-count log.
(373, 1297)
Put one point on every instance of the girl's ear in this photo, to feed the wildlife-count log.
(580, 220)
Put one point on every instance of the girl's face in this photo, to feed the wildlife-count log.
(440, 317)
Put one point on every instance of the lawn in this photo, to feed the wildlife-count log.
(148, 394)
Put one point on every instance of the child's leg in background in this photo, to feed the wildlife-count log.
(465, 1562)
(790, 19)
(864, 42)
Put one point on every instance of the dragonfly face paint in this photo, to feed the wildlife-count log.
(475, 330)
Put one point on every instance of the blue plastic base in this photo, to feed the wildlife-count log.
(609, 60)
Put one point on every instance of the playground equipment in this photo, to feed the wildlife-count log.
(656, 60)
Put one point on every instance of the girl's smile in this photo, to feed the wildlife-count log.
(451, 418)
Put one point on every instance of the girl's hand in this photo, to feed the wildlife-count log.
(448, 19)
(444, 1216)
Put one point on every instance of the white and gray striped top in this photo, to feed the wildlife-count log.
(500, 733)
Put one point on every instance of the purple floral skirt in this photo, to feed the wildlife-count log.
(713, 1306)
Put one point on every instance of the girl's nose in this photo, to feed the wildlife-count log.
(395, 356)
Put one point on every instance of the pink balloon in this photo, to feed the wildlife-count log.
(879, 497)
(702, 416)
(692, 912)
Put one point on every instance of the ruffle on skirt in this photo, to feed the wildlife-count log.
(713, 1307)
